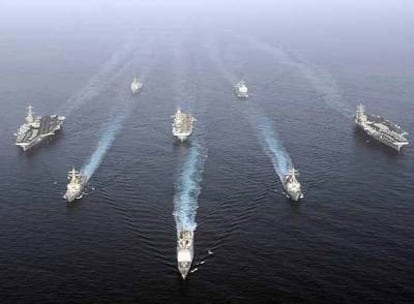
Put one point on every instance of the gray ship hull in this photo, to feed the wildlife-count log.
(48, 126)
(380, 139)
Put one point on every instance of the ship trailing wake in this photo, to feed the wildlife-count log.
(110, 132)
(109, 72)
(270, 141)
(188, 188)
(262, 125)
(321, 81)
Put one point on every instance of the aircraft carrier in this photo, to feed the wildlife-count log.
(382, 130)
(74, 189)
(35, 130)
(185, 251)
(183, 125)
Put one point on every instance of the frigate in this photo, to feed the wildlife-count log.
(74, 189)
(291, 185)
(185, 251)
(135, 86)
(36, 129)
(241, 89)
(382, 130)
(182, 126)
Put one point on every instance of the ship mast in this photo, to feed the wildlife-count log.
(29, 117)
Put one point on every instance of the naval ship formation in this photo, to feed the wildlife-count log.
(77, 183)
(183, 124)
(41, 127)
(35, 130)
(382, 130)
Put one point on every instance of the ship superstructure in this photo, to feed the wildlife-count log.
(382, 130)
(36, 129)
(292, 186)
(182, 126)
(74, 189)
(135, 86)
(185, 251)
(241, 89)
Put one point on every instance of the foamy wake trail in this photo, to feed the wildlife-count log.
(188, 188)
(110, 132)
(270, 141)
(216, 59)
(108, 73)
(322, 81)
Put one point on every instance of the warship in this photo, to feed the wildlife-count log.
(135, 86)
(241, 89)
(76, 185)
(37, 129)
(185, 251)
(292, 186)
(182, 127)
(382, 130)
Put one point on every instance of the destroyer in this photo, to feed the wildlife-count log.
(381, 129)
(291, 185)
(241, 89)
(182, 126)
(185, 251)
(135, 86)
(37, 129)
(76, 185)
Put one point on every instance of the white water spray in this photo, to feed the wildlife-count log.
(188, 188)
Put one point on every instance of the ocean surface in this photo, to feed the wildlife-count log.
(350, 240)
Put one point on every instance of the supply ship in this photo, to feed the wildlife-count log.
(74, 189)
(35, 130)
(185, 251)
(241, 89)
(135, 86)
(183, 125)
(382, 130)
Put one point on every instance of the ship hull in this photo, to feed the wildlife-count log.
(294, 196)
(25, 146)
(294, 193)
(182, 136)
(394, 146)
(185, 253)
(49, 127)
(72, 195)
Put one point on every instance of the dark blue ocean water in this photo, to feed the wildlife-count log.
(349, 241)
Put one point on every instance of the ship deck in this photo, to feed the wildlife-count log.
(390, 125)
(47, 125)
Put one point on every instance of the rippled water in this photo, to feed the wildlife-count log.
(349, 240)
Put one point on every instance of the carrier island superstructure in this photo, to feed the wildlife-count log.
(382, 130)
(36, 129)
(183, 124)
(185, 251)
